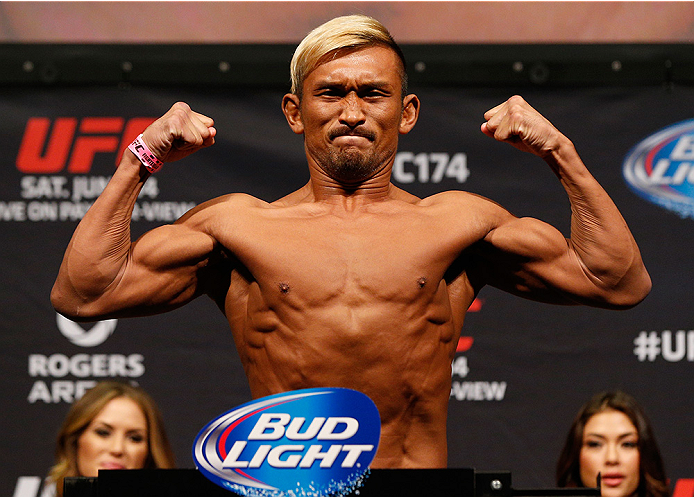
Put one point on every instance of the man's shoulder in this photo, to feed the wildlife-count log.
(455, 198)
(220, 206)
(448, 197)
(462, 208)
(236, 200)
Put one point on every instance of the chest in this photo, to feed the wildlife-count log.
(325, 257)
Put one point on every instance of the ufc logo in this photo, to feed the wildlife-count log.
(72, 143)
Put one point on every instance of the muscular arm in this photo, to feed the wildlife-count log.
(103, 274)
(600, 264)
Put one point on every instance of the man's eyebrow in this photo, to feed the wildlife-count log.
(378, 84)
(328, 84)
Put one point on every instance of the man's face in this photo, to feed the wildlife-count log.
(351, 113)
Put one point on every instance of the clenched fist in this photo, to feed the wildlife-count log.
(517, 123)
(179, 132)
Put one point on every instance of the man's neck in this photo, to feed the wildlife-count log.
(327, 190)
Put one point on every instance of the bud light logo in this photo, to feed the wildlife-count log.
(661, 168)
(314, 443)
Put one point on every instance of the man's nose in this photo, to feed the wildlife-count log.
(352, 110)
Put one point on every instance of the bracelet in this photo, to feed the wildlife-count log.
(142, 152)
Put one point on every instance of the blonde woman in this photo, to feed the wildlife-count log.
(113, 426)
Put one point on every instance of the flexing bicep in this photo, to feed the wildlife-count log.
(530, 258)
(165, 263)
(158, 273)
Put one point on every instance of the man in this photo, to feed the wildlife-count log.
(351, 281)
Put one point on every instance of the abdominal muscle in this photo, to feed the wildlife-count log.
(396, 352)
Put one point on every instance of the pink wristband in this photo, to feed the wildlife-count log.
(142, 152)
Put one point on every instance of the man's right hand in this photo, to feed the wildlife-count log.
(179, 133)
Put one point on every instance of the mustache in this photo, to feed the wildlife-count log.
(347, 131)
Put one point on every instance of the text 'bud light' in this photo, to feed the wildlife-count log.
(660, 168)
(316, 442)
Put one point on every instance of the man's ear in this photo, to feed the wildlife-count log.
(410, 113)
(291, 106)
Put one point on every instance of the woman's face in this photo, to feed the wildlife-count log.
(610, 447)
(116, 438)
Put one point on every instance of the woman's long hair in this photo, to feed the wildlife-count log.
(652, 480)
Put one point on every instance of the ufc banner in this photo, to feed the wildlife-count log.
(522, 369)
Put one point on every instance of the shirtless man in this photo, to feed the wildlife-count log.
(351, 281)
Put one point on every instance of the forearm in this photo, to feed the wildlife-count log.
(600, 237)
(600, 264)
(100, 247)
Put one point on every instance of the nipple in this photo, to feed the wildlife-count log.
(421, 282)
(284, 287)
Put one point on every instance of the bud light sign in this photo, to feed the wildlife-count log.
(661, 168)
(314, 443)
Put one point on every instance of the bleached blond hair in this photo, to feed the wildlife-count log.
(340, 33)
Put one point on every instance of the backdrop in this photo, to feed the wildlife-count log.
(523, 368)
(245, 21)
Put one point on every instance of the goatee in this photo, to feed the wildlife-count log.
(351, 166)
